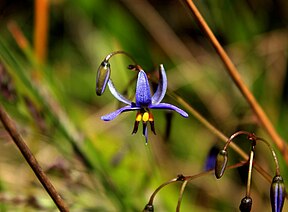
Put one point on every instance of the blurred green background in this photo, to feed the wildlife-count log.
(100, 166)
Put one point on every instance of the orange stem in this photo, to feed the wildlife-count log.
(40, 28)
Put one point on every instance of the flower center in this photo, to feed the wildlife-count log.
(145, 116)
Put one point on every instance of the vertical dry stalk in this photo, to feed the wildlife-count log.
(41, 9)
(233, 72)
(31, 160)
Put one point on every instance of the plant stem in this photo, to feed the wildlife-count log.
(160, 187)
(248, 189)
(31, 160)
(234, 74)
(41, 13)
(181, 195)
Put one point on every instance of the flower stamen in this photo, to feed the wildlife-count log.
(146, 116)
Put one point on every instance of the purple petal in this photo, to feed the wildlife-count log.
(211, 158)
(143, 95)
(116, 94)
(162, 86)
(113, 115)
(169, 107)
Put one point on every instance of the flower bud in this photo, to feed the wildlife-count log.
(246, 204)
(277, 194)
(221, 163)
(103, 75)
(148, 208)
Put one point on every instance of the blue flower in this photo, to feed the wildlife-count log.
(144, 101)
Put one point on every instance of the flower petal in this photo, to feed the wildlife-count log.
(169, 107)
(116, 94)
(162, 86)
(113, 115)
(143, 94)
(211, 158)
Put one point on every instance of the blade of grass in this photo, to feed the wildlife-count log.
(81, 145)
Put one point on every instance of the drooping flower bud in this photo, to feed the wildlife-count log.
(221, 163)
(277, 194)
(246, 204)
(148, 208)
(103, 75)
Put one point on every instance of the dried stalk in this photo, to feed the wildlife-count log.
(31, 160)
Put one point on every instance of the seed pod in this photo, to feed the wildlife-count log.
(246, 204)
(103, 75)
(221, 163)
(148, 208)
(277, 194)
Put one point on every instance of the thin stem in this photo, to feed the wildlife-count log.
(233, 72)
(188, 179)
(273, 155)
(181, 195)
(31, 160)
(119, 52)
(250, 172)
(235, 135)
(159, 188)
(254, 138)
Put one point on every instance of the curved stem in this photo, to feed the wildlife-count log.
(250, 136)
(248, 189)
(186, 180)
(119, 52)
(159, 188)
(273, 155)
(181, 195)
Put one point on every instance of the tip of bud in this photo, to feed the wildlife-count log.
(246, 204)
(148, 208)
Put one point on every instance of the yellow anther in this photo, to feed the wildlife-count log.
(138, 117)
(145, 116)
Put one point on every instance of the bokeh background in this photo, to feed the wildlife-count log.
(47, 86)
